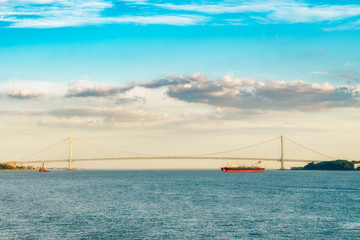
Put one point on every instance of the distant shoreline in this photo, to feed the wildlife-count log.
(336, 165)
(17, 170)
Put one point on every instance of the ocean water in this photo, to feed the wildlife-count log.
(180, 205)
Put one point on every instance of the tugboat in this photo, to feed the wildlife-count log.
(43, 168)
(257, 167)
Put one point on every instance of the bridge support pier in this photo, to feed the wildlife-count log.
(70, 154)
(282, 153)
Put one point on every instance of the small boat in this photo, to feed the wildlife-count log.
(43, 168)
(257, 167)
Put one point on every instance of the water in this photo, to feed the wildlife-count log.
(179, 205)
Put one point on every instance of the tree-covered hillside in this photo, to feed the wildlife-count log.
(331, 165)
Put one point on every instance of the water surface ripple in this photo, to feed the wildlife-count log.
(180, 205)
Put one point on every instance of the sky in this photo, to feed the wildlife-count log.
(179, 77)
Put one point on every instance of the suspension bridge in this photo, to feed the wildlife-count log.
(280, 149)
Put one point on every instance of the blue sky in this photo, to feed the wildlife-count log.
(174, 67)
(46, 37)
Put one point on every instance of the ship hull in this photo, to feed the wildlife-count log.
(228, 169)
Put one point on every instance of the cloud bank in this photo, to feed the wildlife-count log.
(226, 92)
(180, 100)
(246, 93)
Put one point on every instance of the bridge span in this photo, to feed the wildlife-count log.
(279, 149)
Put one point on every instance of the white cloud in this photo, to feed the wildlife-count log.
(309, 14)
(350, 76)
(23, 94)
(72, 123)
(78, 13)
(32, 1)
(180, 20)
(275, 11)
(355, 25)
(39, 87)
(23, 112)
(222, 8)
(321, 73)
(111, 114)
(88, 89)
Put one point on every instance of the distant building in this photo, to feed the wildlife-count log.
(11, 164)
(356, 165)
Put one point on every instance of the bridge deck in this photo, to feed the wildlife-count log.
(165, 158)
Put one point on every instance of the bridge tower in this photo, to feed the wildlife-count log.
(70, 153)
(282, 153)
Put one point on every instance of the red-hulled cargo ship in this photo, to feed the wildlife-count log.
(258, 167)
